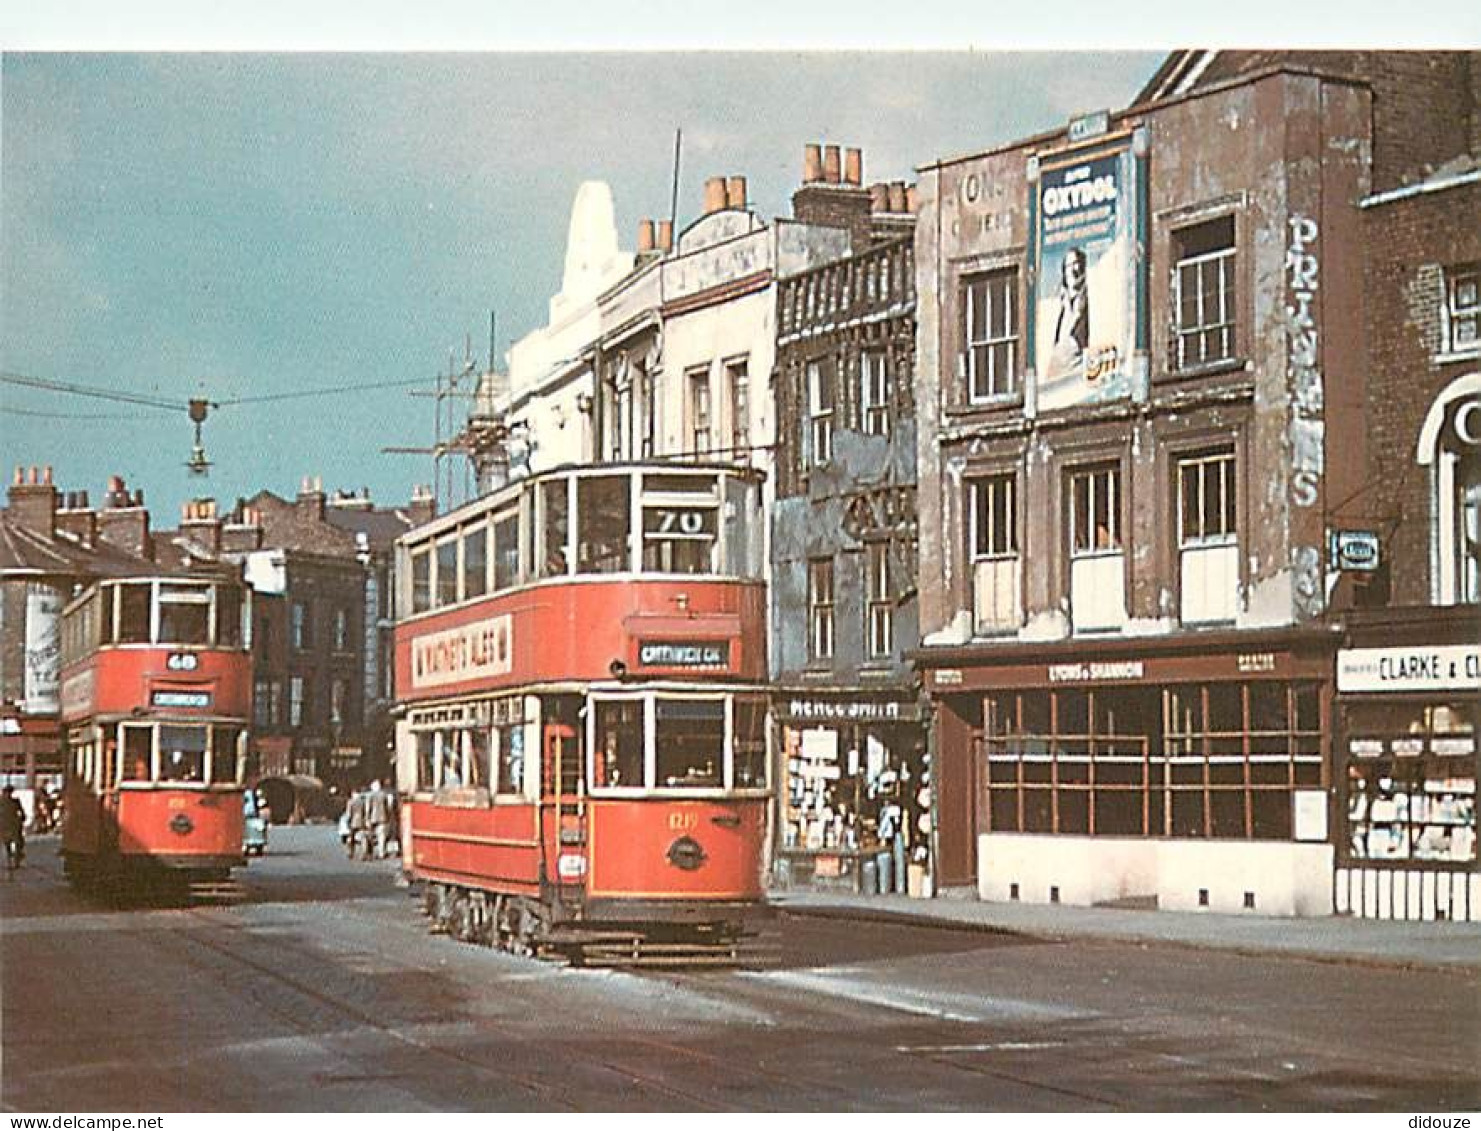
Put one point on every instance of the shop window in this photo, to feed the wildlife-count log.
(447, 571)
(1203, 294)
(689, 742)
(820, 608)
(875, 393)
(990, 364)
(421, 580)
(133, 614)
(619, 743)
(1460, 316)
(1411, 782)
(1097, 565)
(475, 561)
(820, 399)
(603, 507)
(698, 382)
(182, 753)
(881, 602)
(738, 380)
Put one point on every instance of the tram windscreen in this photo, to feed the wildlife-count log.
(182, 753)
(690, 740)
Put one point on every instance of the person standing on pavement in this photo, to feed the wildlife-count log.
(378, 817)
(359, 824)
(12, 828)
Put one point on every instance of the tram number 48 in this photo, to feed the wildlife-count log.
(682, 822)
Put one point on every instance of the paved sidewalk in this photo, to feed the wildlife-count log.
(1454, 946)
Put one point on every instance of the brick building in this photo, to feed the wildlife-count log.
(849, 730)
(1139, 336)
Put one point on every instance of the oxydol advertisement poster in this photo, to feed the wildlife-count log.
(1085, 295)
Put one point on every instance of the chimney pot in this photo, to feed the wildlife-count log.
(830, 164)
(912, 199)
(735, 192)
(714, 195)
(897, 196)
(20, 475)
(665, 235)
(46, 474)
(853, 166)
(645, 235)
(812, 164)
(879, 197)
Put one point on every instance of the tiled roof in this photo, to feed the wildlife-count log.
(26, 551)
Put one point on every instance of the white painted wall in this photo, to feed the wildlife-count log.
(1286, 878)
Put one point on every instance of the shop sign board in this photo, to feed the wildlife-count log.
(692, 654)
(1355, 551)
(1443, 667)
(862, 711)
(469, 651)
(1098, 671)
(195, 700)
(1084, 302)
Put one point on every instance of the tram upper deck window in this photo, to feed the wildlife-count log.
(421, 579)
(555, 527)
(184, 614)
(182, 753)
(603, 520)
(681, 517)
(475, 561)
(689, 737)
(447, 571)
(133, 613)
(506, 549)
(619, 743)
(229, 616)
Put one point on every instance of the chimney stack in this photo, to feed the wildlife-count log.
(827, 199)
(199, 521)
(123, 521)
(423, 508)
(310, 501)
(242, 532)
(77, 518)
(33, 501)
(715, 197)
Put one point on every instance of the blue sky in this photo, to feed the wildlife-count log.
(240, 225)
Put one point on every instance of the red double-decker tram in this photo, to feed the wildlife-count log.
(581, 748)
(156, 697)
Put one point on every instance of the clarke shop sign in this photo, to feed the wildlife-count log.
(684, 654)
(1452, 667)
(470, 651)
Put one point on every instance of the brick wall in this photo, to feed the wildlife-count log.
(1411, 242)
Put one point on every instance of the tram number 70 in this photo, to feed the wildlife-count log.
(680, 522)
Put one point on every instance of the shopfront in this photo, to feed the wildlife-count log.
(1409, 705)
(1186, 774)
(854, 803)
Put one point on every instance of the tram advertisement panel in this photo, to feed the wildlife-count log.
(1084, 301)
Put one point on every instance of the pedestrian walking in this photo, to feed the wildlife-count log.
(359, 824)
(378, 817)
(12, 829)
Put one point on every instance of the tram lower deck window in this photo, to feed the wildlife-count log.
(182, 753)
(619, 743)
(689, 737)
